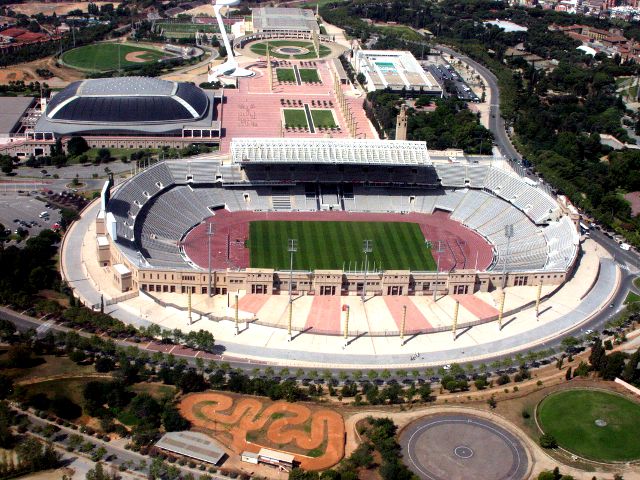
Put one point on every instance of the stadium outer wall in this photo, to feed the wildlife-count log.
(129, 276)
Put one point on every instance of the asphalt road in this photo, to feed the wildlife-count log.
(496, 122)
(441, 447)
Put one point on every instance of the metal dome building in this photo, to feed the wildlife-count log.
(129, 108)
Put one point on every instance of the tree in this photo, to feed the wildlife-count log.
(6, 165)
(104, 364)
(567, 375)
(172, 420)
(103, 155)
(614, 365)
(192, 381)
(597, 355)
(98, 473)
(77, 146)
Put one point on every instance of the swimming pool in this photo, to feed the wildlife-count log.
(386, 67)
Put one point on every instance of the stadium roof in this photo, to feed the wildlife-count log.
(329, 151)
(127, 99)
(282, 18)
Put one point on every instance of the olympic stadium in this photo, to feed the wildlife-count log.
(153, 216)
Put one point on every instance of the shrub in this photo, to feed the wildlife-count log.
(548, 441)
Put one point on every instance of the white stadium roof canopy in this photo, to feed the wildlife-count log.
(329, 151)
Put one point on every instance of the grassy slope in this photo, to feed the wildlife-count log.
(570, 417)
(329, 245)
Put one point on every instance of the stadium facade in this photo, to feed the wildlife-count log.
(143, 223)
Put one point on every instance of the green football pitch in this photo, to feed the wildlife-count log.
(570, 416)
(338, 245)
(109, 56)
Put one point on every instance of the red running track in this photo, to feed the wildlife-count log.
(454, 245)
(415, 319)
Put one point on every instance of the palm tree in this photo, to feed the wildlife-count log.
(372, 374)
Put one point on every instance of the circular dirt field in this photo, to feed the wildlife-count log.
(594, 424)
(460, 447)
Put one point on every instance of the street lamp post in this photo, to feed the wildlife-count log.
(508, 232)
(367, 248)
(293, 248)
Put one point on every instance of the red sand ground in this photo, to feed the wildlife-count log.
(324, 314)
(415, 319)
(477, 306)
(232, 230)
(218, 412)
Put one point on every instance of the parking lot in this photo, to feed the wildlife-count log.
(446, 73)
(22, 211)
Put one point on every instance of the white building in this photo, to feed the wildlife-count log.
(394, 69)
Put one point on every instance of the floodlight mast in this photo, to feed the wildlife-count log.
(292, 247)
(508, 232)
(367, 248)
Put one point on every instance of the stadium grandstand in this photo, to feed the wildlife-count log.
(283, 20)
(486, 227)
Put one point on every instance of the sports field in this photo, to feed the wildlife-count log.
(570, 416)
(338, 245)
(110, 56)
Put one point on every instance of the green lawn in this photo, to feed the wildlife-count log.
(309, 75)
(332, 245)
(632, 297)
(636, 282)
(260, 48)
(295, 117)
(570, 417)
(401, 31)
(323, 119)
(104, 56)
(285, 75)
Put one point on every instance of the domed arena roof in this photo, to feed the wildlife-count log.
(128, 100)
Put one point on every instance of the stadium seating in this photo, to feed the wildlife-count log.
(156, 208)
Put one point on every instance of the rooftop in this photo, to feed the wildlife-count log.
(192, 444)
(329, 151)
(11, 110)
(280, 18)
(126, 86)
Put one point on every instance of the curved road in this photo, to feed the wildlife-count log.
(496, 122)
